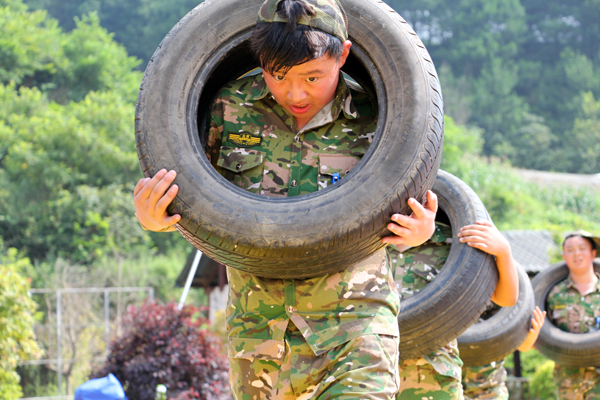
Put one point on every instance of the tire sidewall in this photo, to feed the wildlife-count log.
(502, 333)
(220, 214)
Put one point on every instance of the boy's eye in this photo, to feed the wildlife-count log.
(278, 78)
(312, 79)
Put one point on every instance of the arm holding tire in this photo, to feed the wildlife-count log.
(151, 196)
(537, 321)
(414, 230)
(486, 237)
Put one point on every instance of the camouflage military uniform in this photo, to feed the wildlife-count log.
(436, 375)
(485, 382)
(333, 335)
(572, 312)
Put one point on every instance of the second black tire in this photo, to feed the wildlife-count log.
(502, 333)
(458, 295)
(308, 235)
(565, 348)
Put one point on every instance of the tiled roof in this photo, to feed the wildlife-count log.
(531, 249)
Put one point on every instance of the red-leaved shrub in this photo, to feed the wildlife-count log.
(161, 344)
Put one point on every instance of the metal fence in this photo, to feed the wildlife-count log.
(67, 316)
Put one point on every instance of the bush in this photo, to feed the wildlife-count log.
(542, 382)
(17, 340)
(164, 345)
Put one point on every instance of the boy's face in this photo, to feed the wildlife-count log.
(578, 254)
(306, 88)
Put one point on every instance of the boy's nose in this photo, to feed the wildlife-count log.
(297, 94)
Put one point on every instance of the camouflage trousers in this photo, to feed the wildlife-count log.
(420, 381)
(577, 383)
(362, 368)
(479, 386)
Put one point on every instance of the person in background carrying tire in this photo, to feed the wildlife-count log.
(438, 374)
(487, 382)
(295, 128)
(574, 306)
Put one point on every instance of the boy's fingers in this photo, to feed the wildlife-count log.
(403, 220)
(146, 191)
(173, 219)
(485, 223)
(471, 238)
(140, 185)
(163, 203)
(478, 245)
(398, 230)
(162, 186)
(397, 240)
(418, 209)
(432, 201)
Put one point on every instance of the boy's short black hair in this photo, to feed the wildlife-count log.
(280, 46)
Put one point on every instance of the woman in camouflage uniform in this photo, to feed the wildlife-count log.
(574, 306)
(438, 375)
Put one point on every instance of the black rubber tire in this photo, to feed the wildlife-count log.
(502, 333)
(459, 294)
(307, 235)
(564, 348)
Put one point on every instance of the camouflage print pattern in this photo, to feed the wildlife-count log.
(328, 310)
(486, 382)
(361, 368)
(577, 383)
(255, 143)
(436, 375)
(420, 380)
(572, 312)
(329, 16)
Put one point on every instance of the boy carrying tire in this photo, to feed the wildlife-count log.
(297, 127)
(438, 375)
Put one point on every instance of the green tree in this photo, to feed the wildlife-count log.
(140, 25)
(584, 141)
(17, 340)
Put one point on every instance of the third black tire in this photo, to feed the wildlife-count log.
(566, 349)
(502, 333)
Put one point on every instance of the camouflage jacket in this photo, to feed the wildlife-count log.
(571, 311)
(255, 144)
(414, 269)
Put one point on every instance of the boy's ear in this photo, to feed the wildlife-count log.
(345, 52)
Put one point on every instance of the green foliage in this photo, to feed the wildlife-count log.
(140, 25)
(542, 382)
(540, 372)
(459, 143)
(66, 174)
(512, 202)
(29, 43)
(584, 143)
(34, 52)
(17, 340)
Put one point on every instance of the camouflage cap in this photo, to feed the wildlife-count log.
(585, 234)
(329, 16)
